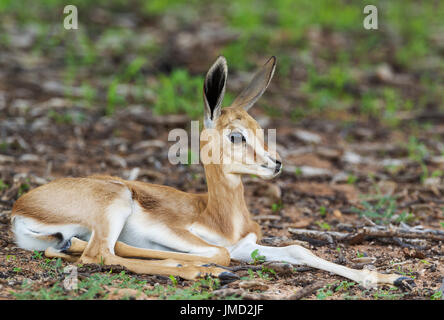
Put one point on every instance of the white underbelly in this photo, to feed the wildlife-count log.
(140, 236)
(143, 231)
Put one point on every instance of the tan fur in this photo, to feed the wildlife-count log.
(58, 202)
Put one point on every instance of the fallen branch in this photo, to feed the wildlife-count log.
(302, 293)
(403, 231)
(243, 294)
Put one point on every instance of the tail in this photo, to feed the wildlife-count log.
(31, 235)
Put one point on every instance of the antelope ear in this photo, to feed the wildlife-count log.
(257, 85)
(214, 90)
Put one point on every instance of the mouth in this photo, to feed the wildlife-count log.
(275, 171)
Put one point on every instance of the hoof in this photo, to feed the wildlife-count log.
(405, 283)
(227, 277)
(65, 247)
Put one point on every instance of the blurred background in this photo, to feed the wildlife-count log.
(359, 113)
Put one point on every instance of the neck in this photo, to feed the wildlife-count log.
(226, 209)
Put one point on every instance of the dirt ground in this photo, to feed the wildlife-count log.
(320, 200)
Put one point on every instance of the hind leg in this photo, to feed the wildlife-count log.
(52, 252)
(220, 255)
(101, 246)
(95, 253)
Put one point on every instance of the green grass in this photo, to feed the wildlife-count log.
(323, 225)
(24, 187)
(437, 295)
(3, 185)
(264, 274)
(89, 288)
(179, 92)
(276, 207)
(383, 210)
(343, 290)
(417, 152)
(388, 294)
(99, 286)
(113, 55)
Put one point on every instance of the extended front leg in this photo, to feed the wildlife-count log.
(299, 255)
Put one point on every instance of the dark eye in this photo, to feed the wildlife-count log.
(236, 137)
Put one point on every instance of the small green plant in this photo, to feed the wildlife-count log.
(276, 207)
(266, 273)
(114, 98)
(37, 255)
(323, 211)
(257, 258)
(133, 69)
(3, 186)
(250, 274)
(437, 173)
(437, 295)
(324, 292)
(323, 225)
(89, 94)
(406, 274)
(359, 254)
(173, 280)
(23, 188)
(351, 179)
(3, 146)
(418, 152)
(298, 171)
(17, 269)
(344, 286)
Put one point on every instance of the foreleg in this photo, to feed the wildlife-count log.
(295, 254)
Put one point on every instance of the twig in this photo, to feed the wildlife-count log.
(307, 290)
(239, 268)
(403, 231)
(267, 217)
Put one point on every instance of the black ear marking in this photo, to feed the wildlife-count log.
(214, 88)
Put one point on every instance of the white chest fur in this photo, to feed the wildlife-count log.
(208, 235)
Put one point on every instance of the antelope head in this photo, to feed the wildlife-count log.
(232, 138)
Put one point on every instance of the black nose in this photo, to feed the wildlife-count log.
(278, 166)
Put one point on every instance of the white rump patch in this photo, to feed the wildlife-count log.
(27, 232)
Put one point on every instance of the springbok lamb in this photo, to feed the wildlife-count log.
(105, 219)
